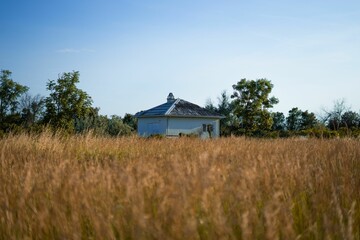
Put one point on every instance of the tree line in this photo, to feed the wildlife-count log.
(248, 112)
(66, 107)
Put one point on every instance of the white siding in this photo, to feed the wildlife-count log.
(192, 125)
(149, 126)
(172, 126)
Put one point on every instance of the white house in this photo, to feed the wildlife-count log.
(176, 117)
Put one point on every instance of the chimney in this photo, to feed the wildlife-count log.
(170, 97)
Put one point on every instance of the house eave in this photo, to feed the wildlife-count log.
(195, 116)
(180, 116)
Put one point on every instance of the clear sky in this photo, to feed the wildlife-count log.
(132, 53)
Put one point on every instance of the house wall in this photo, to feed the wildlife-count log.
(172, 126)
(149, 126)
(192, 125)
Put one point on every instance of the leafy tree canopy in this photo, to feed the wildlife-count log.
(251, 103)
(300, 120)
(278, 121)
(224, 107)
(10, 91)
(130, 120)
(66, 102)
(350, 119)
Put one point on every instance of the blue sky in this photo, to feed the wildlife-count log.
(132, 53)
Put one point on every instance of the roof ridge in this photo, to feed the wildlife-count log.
(172, 106)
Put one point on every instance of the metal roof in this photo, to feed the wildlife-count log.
(178, 108)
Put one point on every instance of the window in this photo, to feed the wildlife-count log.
(204, 127)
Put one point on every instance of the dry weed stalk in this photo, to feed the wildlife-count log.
(86, 187)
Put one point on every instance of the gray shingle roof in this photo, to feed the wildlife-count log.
(178, 108)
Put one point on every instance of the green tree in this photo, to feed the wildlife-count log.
(279, 123)
(209, 105)
(224, 104)
(66, 102)
(102, 125)
(10, 91)
(293, 120)
(130, 120)
(93, 122)
(308, 120)
(116, 127)
(300, 120)
(225, 108)
(251, 103)
(350, 119)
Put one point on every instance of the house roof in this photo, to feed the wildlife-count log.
(178, 108)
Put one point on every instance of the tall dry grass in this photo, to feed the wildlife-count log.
(86, 187)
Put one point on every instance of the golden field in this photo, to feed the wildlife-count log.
(87, 187)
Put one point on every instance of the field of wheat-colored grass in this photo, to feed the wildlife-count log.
(86, 187)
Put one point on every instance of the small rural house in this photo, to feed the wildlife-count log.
(178, 117)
